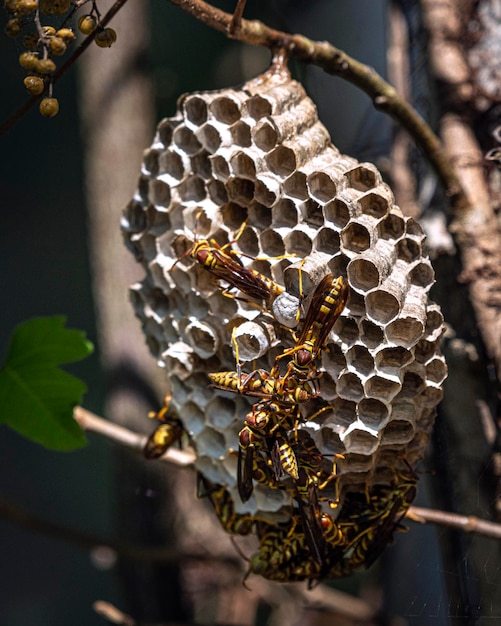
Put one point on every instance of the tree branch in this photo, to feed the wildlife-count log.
(469, 524)
(90, 421)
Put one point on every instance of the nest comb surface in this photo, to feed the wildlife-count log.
(259, 153)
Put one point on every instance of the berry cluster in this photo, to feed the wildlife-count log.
(42, 43)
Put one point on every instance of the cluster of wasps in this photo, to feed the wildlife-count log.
(322, 539)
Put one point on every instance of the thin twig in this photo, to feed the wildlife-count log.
(236, 20)
(467, 523)
(125, 437)
(29, 104)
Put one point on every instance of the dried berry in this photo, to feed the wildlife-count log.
(49, 107)
(57, 46)
(30, 41)
(66, 34)
(25, 7)
(45, 67)
(34, 85)
(87, 24)
(106, 38)
(48, 31)
(28, 60)
(54, 7)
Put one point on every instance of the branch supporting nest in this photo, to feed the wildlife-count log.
(123, 436)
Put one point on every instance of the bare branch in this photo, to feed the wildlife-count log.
(469, 524)
(90, 421)
(125, 437)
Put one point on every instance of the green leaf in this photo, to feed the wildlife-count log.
(36, 397)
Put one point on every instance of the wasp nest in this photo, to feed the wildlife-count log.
(253, 167)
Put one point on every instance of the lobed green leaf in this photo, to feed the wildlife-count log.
(37, 397)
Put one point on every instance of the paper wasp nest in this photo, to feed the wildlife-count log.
(260, 154)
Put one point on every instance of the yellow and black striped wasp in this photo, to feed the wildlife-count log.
(312, 479)
(276, 448)
(266, 430)
(281, 549)
(261, 384)
(225, 265)
(165, 434)
(224, 507)
(283, 553)
(375, 525)
(327, 303)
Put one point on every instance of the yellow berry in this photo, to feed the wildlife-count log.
(66, 34)
(106, 38)
(86, 24)
(48, 31)
(45, 66)
(25, 7)
(13, 27)
(57, 46)
(28, 60)
(49, 107)
(34, 85)
(30, 41)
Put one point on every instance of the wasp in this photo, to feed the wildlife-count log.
(283, 554)
(333, 533)
(276, 447)
(220, 498)
(327, 303)
(266, 430)
(310, 512)
(224, 264)
(263, 474)
(262, 384)
(374, 527)
(319, 528)
(165, 434)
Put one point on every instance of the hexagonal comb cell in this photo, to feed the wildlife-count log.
(254, 169)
